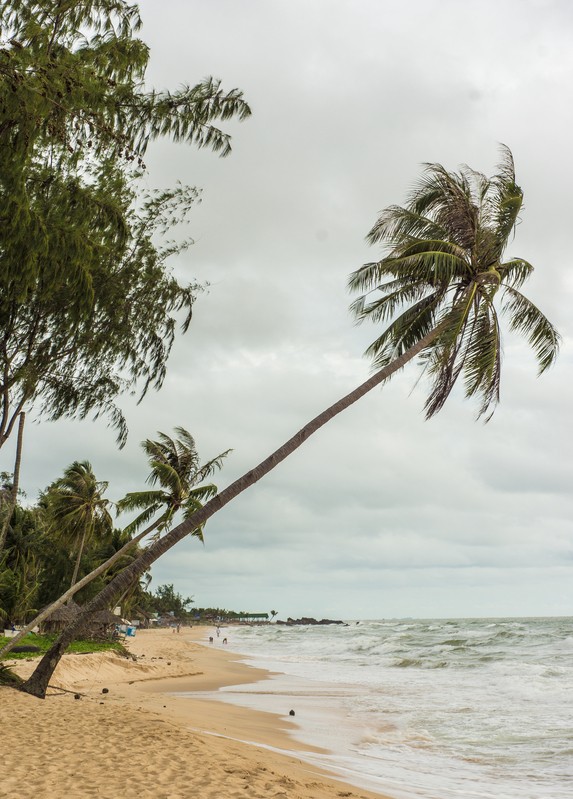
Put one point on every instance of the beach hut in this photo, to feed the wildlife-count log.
(103, 624)
(60, 618)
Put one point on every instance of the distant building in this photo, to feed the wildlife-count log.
(253, 616)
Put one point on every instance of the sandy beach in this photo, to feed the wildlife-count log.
(137, 740)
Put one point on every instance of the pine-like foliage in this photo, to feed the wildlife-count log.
(444, 271)
(88, 306)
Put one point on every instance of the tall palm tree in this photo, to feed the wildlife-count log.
(438, 281)
(78, 509)
(176, 468)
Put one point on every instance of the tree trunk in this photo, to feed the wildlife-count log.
(15, 482)
(78, 559)
(47, 612)
(38, 681)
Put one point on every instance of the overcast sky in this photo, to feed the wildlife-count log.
(381, 514)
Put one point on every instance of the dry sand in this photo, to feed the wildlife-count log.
(138, 742)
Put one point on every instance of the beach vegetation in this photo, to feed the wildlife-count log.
(9, 495)
(89, 306)
(8, 677)
(77, 509)
(42, 643)
(72, 523)
(166, 601)
(22, 565)
(440, 292)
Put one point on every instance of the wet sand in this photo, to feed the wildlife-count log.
(139, 742)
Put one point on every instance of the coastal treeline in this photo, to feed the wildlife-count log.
(42, 559)
(67, 545)
(76, 120)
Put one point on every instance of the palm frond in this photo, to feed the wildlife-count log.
(153, 449)
(527, 319)
(507, 196)
(143, 518)
(198, 496)
(446, 198)
(443, 359)
(406, 330)
(515, 272)
(166, 475)
(140, 499)
(186, 440)
(385, 307)
(369, 276)
(209, 468)
(482, 360)
(396, 223)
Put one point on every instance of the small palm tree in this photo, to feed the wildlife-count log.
(176, 468)
(443, 272)
(77, 508)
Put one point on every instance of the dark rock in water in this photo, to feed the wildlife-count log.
(310, 621)
(291, 712)
(26, 648)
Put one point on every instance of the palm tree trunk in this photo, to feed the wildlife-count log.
(15, 482)
(47, 612)
(78, 559)
(38, 681)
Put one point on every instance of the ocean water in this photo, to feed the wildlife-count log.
(424, 709)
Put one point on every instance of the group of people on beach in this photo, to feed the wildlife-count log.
(218, 634)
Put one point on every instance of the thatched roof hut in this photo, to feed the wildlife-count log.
(60, 618)
(101, 623)
(105, 618)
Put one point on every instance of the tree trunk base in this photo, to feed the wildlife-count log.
(37, 683)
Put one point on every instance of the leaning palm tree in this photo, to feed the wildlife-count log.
(438, 287)
(176, 469)
(77, 508)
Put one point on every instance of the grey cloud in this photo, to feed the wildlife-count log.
(380, 513)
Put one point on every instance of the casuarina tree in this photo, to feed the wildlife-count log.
(440, 289)
(88, 305)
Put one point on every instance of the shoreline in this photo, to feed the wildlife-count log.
(139, 740)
